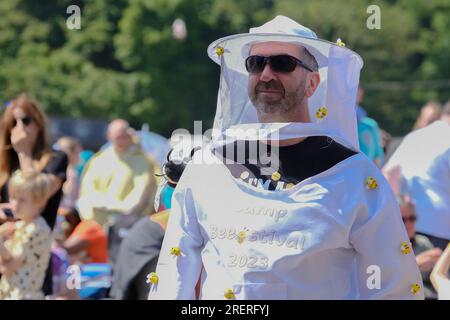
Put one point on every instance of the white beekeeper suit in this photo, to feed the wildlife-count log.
(336, 235)
(423, 158)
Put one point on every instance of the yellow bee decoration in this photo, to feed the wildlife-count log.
(289, 185)
(415, 288)
(220, 51)
(321, 113)
(276, 176)
(405, 247)
(242, 235)
(229, 294)
(153, 278)
(371, 183)
(340, 43)
(175, 251)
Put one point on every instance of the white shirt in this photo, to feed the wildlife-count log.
(424, 159)
(444, 290)
(316, 240)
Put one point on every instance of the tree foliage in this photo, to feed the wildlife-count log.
(125, 62)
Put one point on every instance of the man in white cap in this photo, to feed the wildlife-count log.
(316, 221)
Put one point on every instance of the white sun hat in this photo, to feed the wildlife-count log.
(332, 107)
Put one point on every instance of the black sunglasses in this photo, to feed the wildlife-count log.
(410, 219)
(279, 63)
(26, 121)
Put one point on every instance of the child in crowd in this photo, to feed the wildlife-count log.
(84, 240)
(25, 244)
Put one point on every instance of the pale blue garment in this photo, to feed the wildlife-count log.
(370, 139)
(166, 196)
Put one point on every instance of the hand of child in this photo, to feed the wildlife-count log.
(7, 229)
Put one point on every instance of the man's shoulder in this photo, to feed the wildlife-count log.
(101, 155)
(423, 242)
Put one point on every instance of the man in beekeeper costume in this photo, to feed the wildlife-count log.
(319, 222)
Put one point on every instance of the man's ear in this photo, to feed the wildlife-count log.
(312, 83)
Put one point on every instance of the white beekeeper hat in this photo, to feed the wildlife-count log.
(332, 107)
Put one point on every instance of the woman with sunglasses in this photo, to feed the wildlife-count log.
(24, 145)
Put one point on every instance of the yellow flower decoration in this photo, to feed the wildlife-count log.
(340, 43)
(371, 183)
(276, 176)
(175, 251)
(321, 113)
(415, 288)
(229, 294)
(290, 185)
(152, 277)
(405, 247)
(220, 51)
(242, 235)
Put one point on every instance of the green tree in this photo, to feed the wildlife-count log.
(125, 62)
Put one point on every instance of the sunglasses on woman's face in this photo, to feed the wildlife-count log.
(26, 121)
(282, 63)
(409, 219)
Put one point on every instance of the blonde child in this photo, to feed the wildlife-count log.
(24, 257)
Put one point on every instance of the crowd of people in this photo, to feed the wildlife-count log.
(63, 206)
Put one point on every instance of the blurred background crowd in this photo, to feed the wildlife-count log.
(80, 168)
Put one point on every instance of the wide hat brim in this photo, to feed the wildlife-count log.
(239, 45)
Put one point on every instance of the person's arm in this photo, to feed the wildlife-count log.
(7, 229)
(25, 161)
(56, 184)
(9, 262)
(385, 269)
(439, 275)
(74, 245)
(178, 275)
(56, 169)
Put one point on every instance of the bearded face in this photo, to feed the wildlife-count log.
(273, 98)
(278, 95)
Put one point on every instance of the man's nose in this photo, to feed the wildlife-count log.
(267, 74)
